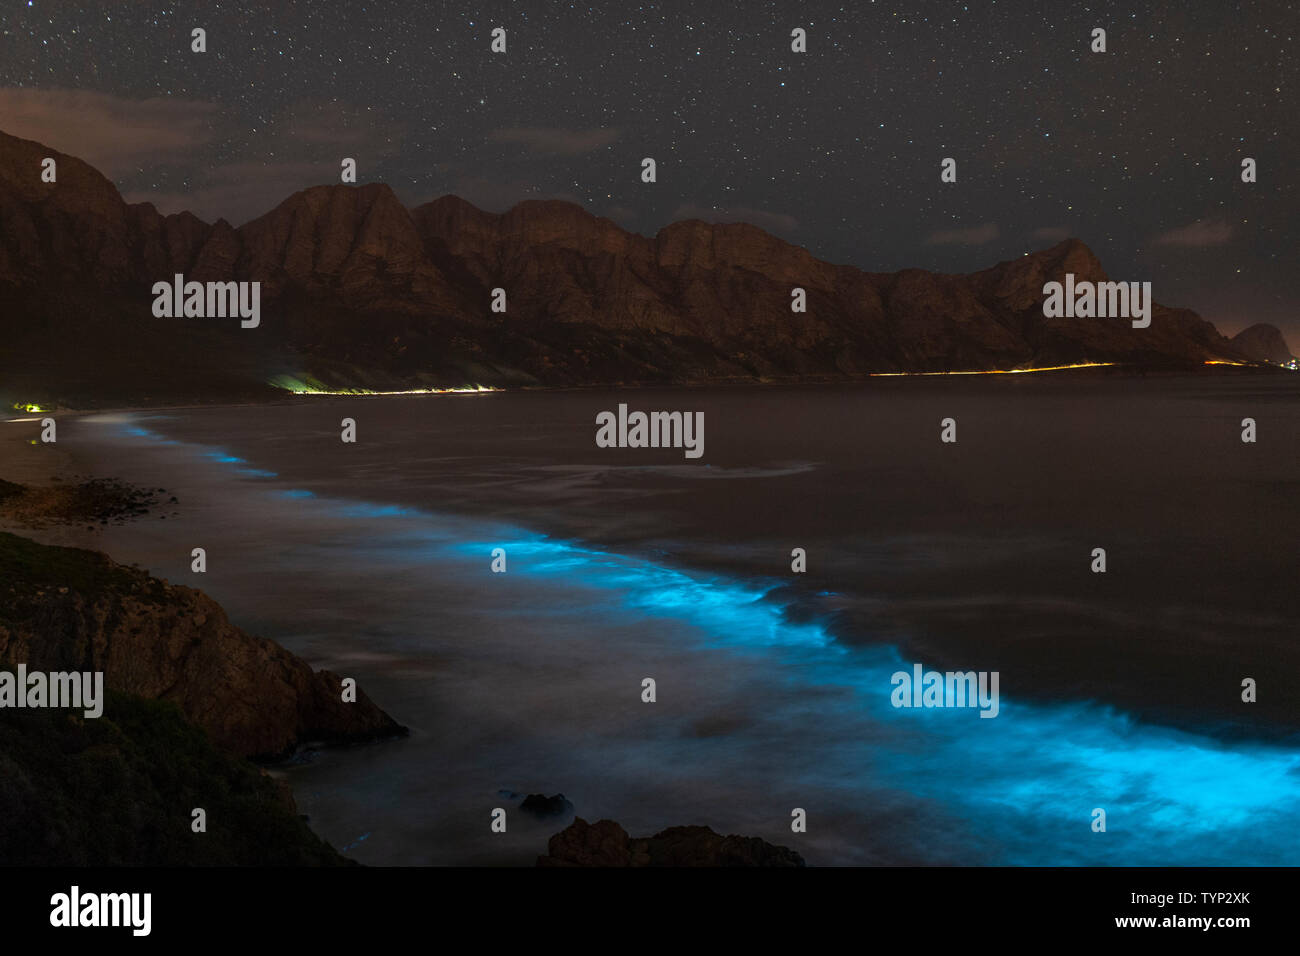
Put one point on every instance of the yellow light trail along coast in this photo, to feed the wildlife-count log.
(1001, 371)
(310, 386)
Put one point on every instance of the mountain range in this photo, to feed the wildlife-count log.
(358, 291)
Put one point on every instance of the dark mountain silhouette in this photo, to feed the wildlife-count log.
(1263, 343)
(358, 291)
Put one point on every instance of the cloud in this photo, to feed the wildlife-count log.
(555, 141)
(301, 146)
(968, 236)
(771, 221)
(1050, 233)
(113, 134)
(1204, 232)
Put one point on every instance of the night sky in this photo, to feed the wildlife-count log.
(1136, 151)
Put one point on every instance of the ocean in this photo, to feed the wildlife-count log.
(1119, 691)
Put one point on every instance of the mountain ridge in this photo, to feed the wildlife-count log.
(360, 291)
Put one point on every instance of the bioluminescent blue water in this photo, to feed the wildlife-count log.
(215, 454)
(1029, 778)
(1024, 785)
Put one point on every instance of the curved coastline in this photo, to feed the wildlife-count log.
(1022, 780)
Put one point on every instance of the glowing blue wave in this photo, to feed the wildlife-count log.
(1029, 778)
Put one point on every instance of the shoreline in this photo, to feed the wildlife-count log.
(697, 557)
(1118, 737)
(327, 503)
(1099, 371)
(50, 470)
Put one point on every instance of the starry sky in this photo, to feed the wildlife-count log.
(1136, 151)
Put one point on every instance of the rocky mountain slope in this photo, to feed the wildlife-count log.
(359, 291)
(1263, 343)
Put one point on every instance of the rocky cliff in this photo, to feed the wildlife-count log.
(64, 609)
(359, 291)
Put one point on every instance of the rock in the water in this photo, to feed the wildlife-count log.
(605, 843)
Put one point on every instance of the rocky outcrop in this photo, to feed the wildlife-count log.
(119, 790)
(358, 291)
(64, 609)
(605, 843)
(1263, 343)
(98, 500)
